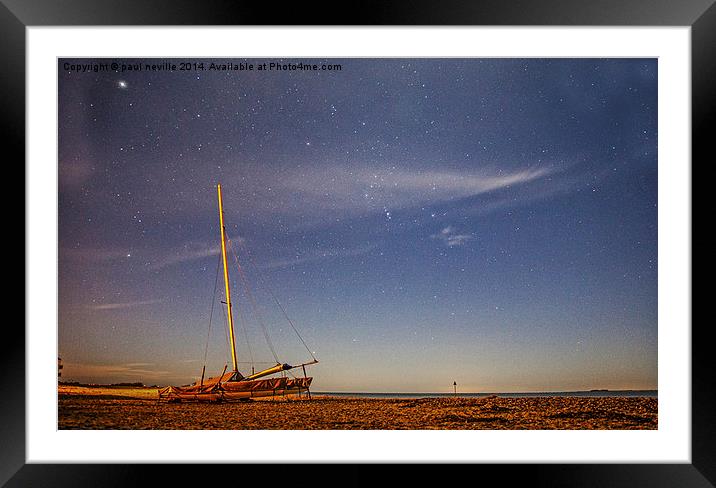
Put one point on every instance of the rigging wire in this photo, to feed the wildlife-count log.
(241, 320)
(227, 335)
(275, 299)
(254, 305)
(246, 338)
(248, 343)
(211, 314)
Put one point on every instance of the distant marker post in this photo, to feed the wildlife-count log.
(454, 387)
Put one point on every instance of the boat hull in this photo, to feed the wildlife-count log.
(217, 391)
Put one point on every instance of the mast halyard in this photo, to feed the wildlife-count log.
(233, 385)
(226, 281)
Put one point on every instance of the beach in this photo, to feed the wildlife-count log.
(139, 408)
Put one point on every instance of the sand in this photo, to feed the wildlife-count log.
(139, 408)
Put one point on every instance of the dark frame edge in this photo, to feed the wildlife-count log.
(703, 115)
(366, 12)
(702, 473)
(12, 369)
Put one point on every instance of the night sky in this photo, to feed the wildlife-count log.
(487, 221)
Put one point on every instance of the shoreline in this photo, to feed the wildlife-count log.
(583, 393)
(70, 387)
(93, 408)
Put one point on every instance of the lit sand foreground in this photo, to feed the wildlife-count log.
(138, 408)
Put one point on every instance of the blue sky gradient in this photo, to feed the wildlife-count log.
(422, 221)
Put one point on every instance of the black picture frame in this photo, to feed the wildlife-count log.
(700, 15)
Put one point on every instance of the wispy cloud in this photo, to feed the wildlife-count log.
(111, 372)
(318, 255)
(454, 184)
(94, 255)
(367, 189)
(326, 191)
(451, 238)
(190, 251)
(115, 306)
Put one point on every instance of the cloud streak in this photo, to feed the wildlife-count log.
(318, 255)
(311, 195)
(190, 252)
(94, 255)
(451, 238)
(193, 251)
(117, 306)
(112, 372)
(373, 190)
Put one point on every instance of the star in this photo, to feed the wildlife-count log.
(122, 84)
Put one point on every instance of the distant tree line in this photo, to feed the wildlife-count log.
(138, 384)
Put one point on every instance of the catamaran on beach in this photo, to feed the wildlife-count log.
(233, 385)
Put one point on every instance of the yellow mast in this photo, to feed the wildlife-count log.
(226, 281)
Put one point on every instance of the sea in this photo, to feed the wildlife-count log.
(590, 393)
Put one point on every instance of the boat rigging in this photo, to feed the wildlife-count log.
(233, 385)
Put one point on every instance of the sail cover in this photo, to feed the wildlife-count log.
(220, 388)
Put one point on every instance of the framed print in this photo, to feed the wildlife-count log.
(438, 234)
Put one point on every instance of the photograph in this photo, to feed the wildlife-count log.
(357, 243)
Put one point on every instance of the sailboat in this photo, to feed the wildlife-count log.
(232, 385)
